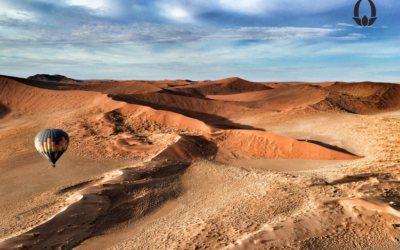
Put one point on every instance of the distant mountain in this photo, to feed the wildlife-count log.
(52, 78)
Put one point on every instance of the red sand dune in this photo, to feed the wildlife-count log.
(275, 85)
(278, 99)
(125, 87)
(248, 143)
(327, 84)
(235, 93)
(171, 83)
(206, 110)
(222, 87)
(189, 148)
(20, 97)
(103, 86)
(261, 144)
(361, 98)
(361, 89)
(163, 118)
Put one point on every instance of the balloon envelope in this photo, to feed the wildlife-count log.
(52, 143)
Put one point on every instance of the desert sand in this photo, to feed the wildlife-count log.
(177, 164)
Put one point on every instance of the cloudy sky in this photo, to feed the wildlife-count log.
(258, 40)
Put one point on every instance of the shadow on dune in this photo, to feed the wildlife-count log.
(194, 93)
(190, 148)
(209, 119)
(160, 181)
(354, 178)
(325, 145)
(76, 187)
(4, 110)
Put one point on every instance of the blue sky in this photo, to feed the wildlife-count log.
(258, 40)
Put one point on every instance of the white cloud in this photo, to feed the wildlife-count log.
(264, 7)
(352, 36)
(252, 7)
(345, 24)
(10, 11)
(264, 33)
(178, 13)
(16, 14)
(248, 6)
(102, 7)
(359, 27)
(96, 33)
(175, 12)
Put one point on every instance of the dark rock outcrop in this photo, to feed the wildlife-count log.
(52, 78)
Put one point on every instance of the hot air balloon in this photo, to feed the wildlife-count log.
(52, 143)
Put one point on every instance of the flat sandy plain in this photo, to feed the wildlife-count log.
(227, 164)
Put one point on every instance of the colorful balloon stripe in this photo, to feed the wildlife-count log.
(52, 143)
